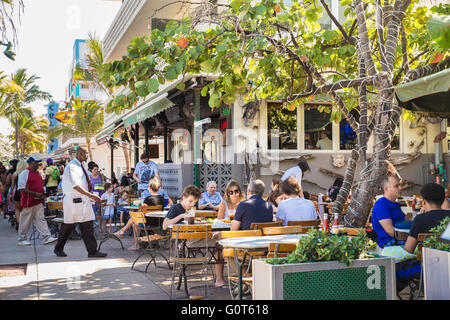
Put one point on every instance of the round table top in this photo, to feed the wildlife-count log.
(402, 230)
(156, 214)
(214, 224)
(261, 241)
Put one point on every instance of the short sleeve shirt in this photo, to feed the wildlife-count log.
(296, 209)
(51, 182)
(215, 199)
(385, 209)
(145, 172)
(110, 199)
(422, 223)
(175, 211)
(295, 172)
(252, 210)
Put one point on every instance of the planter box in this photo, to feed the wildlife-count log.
(436, 274)
(365, 279)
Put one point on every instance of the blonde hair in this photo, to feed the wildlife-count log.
(21, 166)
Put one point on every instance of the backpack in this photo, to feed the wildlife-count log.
(56, 174)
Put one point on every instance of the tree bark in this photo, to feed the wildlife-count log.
(125, 153)
(88, 143)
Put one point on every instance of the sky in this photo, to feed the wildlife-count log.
(46, 35)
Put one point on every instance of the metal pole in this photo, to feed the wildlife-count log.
(165, 145)
(112, 160)
(136, 144)
(146, 136)
(197, 133)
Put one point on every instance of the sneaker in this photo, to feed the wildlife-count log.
(24, 243)
(50, 240)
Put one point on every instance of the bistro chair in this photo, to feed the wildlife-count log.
(180, 235)
(102, 226)
(280, 250)
(415, 285)
(149, 244)
(237, 260)
(206, 214)
(261, 225)
(307, 224)
(54, 217)
(272, 231)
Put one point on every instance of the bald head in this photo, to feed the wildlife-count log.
(81, 154)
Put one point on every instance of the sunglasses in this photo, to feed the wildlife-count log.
(237, 191)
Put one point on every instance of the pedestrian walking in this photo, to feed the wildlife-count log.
(31, 187)
(77, 206)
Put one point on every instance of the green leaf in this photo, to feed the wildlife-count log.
(207, 66)
(204, 91)
(329, 35)
(260, 10)
(439, 29)
(181, 86)
(153, 85)
(236, 4)
(214, 100)
(221, 47)
(171, 73)
(141, 88)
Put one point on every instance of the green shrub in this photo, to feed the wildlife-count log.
(433, 241)
(320, 246)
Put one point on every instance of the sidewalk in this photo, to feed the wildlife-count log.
(77, 277)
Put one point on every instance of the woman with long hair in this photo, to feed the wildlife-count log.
(21, 166)
(232, 197)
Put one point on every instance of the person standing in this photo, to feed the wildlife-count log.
(97, 186)
(77, 190)
(145, 170)
(52, 175)
(297, 172)
(31, 187)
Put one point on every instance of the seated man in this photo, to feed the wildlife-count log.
(178, 213)
(433, 196)
(255, 209)
(210, 199)
(387, 212)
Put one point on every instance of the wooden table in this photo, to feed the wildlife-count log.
(252, 244)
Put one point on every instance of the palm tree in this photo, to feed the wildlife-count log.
(31, 133)
(87, 121)
(15, 105)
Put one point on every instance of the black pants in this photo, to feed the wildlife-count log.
(87, 234)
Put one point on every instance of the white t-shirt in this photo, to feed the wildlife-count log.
(110, 199)
(296, 209)
(325, 144)
(295, 172)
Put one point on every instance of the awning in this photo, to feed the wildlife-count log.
(428, 95)
(149, 109)
(108, 131)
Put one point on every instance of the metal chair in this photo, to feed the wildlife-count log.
(415, 285)
(102, 227)
(180, 235)
(150, 244)
(261, 225)
(280, 250)
(272, 231)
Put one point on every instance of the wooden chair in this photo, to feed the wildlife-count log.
(237, 259)
(272, 231)
(180, 235)
(307, 224)
(54, 217)
(149, 244)
(280, 250)
(206, 214)
(261, 225)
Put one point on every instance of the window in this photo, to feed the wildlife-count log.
(281, 127)
(318, 128)
(347, 136)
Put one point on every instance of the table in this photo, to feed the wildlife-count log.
(401, 234)
(215, 225)
(254, 243)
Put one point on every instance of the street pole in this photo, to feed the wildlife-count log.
(197, 134)
(136, 144)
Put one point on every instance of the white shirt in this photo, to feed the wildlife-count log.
(110, 199)
(75, 212)
(22, 180)
(296, 209)
(295, 172)
(325, 144)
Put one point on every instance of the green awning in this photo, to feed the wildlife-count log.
(428, 95)
(153, 108)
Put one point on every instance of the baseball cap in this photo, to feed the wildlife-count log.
(30, 159)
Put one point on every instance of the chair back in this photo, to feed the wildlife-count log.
(421, 238)
(184, 232)
(279, 250)
(241, 233)
(144, 209)
(137, 217)
(206, 214)
(261, 225)
(305, 223)
(272, 231)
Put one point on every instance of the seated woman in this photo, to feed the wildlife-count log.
(276, 183)
(232, 197)
(275, 198)
(210, 199)
(147, 193)
(294, 208)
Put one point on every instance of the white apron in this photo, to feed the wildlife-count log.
(77, 212)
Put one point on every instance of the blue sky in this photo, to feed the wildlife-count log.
(46, 36)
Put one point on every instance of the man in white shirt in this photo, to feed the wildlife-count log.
(77, 206)
(297, 172)
(324, 142)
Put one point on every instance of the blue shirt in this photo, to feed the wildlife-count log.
(385, 209)
(215, 199)
(296, 209)
(161, 192)
(255, 209)
(145, 172)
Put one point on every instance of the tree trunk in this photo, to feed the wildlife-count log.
(88, 143)
(16, 128)
(125, 153)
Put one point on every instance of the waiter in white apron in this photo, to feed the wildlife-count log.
(77, 206)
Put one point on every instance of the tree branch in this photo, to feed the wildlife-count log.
(337, 23)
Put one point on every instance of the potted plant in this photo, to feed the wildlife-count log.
(326, 267)
(436, 264)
